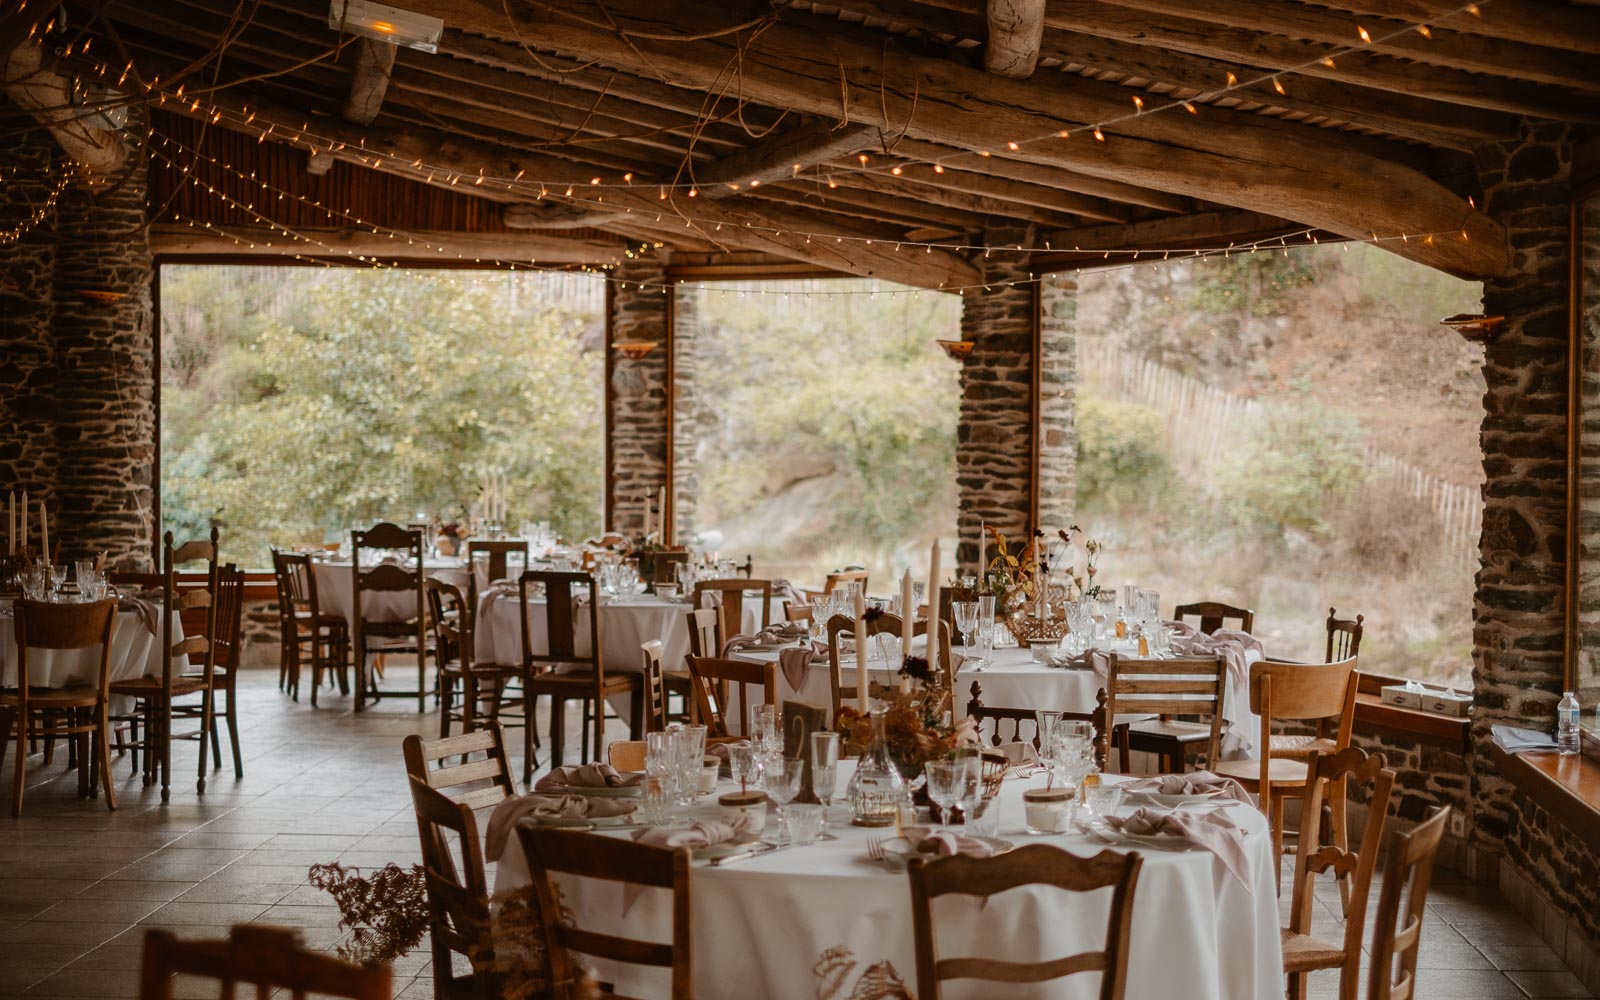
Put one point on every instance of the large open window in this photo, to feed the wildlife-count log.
(299, 402)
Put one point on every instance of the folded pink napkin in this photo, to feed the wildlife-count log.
(774, 635)
(1180, 630)
(1197, 783)
(702, 833)
(794, 664)
(787, 591)
(146, 610)
(1232, 651)
(1212, 831)
(586, 776)
(514, 810)
(945, 844)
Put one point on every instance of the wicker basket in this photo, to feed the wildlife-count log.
(995, 767)
(1027, 628)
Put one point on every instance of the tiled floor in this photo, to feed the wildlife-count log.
(79, 884)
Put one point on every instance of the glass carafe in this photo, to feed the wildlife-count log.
(876, 789)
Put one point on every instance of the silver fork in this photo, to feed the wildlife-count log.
(890, 859)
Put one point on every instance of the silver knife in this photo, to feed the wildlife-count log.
(750, 852)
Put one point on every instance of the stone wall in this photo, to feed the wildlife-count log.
(686, 414)
(637, 427)
(77, 354)
(994, 433)
(1058, 381)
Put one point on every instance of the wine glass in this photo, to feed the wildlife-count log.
(968, 785)
(824, 767)
(744, 763)
(1046, 720)
(966, 615)
(659, 761)
(780, 776)
(942, 786)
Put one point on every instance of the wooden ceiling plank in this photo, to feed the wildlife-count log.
(779, 156)
(1316, 177)
(1537, 22)
(1015, 30)
(369, 81)
(894, 208)
(1209, 229)
(1443, 47)
(1063, 180)
(956, 197)
(999, 189)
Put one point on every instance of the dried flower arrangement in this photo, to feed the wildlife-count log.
(916, 722)
(879, 981)
(386, 913)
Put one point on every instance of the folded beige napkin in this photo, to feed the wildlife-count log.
(794, 664)
(1180, 630)
(702, 833)
(1232, 650)
(146, 610)
(512, 811)
(773, 635)
(586, 776)
(1197, 783)
(945, 844)
(1210, 830)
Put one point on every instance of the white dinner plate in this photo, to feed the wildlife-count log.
(902, 846)
(1174, 801)
(598, 791)
(583, 822)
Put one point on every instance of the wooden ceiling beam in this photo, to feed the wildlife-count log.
(915, 183)
(179, 239)
(48, 97)
(1314, 176)
(865, 251)
(1204, 229)
(369, 80)
(898, 208)
(1054, 177)
(1537, 22)
(1200, 38)
(1015, 29)
(1437, 123)
(957, 197)
(1445, 48)
(780, 156)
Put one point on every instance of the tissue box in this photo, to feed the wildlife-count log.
(1396, 694)
(1447, 703)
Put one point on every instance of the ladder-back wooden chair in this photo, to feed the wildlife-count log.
(310, 634)
(267, 958)
(194, 611)
(451, 617)
(1302, 952)
(75, 712)
(842, 625)
(1180, 686)
(729, 604)
(1407, 871)
(382, 636)
(458, 894)
(562, 852)
(228, 644)
(713, 680)
(1299, 693)
(585, 678)
(655, 687)
(1344, 637)
(482, 777)
(980, 713)
(1036, 864)
(1214, 615)
(499, 551)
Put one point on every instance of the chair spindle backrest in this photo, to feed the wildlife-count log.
(711, 678)
(1408, 869)
(1344, 637)
(1183, 685)
(1214, 615)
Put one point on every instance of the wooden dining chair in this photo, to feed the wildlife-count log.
(705, 632)
(1407, 873)
(584, 678)
(451, 616)
(312, 635)
(1344, 636)
(562, 852)
(626, 755)
(155, 696)
(847, 575)
(712, 680)
(655, 687)
(383, 637)
(1324, 693)
(267, 958)
(729, 603)
(458, 895)
(1214, 615)
(1304, 953)
(482, 777)
(74, 712)
(841, 693)
(980, 713)
(229, 646)
(1169, 688)
(1036, 864)
(499, 551)
(796, 612)
(664, 565)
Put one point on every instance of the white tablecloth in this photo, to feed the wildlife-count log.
(760, 926)
(623, 627)
(134, 653)
(1013, 680)
(336, 591)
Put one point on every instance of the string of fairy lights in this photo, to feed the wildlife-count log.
(672, 210)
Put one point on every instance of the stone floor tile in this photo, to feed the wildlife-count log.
(1552, 983)
(87, 911)
(132, 889)
(71, 982)
(1535, 958)
(223, 914)
(215, 890)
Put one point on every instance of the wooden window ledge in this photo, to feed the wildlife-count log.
(1375, 717)
(1569, 787)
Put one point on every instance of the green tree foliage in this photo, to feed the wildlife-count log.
(1121, 465)
(371, 395)
(1298, 463)
(1252, 284)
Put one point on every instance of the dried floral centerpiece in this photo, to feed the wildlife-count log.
(386, 912)
(916, 726)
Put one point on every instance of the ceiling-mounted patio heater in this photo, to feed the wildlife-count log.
(386, 24)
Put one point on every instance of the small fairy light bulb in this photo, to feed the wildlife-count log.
(1099, 135)
(863, 158)
(1277, 85)
(1326, 61)
(1013, 146)
(1365, 37)
(627, 177)
(755, 182)
(694, 192)
(1233, 81)
(594, 181)
(896, 171)
(1138, 103)
(569, 190)
(1424, 31)
(1189, 107)
(938, 168)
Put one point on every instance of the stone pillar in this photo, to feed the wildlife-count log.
(27, 377)
(1058, 381)
(686, 424)
(994, 434)
(105, 415)
(637, 426)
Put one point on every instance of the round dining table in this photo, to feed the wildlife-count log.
(779, 923)
(336, 591)
(135, 652)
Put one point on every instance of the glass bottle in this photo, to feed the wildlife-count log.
(1567, 738)
(876, 788)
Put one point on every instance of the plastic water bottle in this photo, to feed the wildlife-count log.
(1567, 725)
